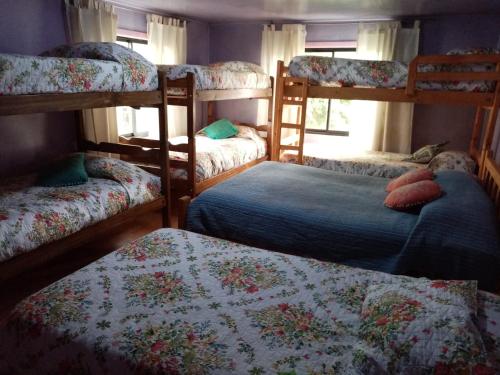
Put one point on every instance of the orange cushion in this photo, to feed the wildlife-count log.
(412, 195)
(409, 178)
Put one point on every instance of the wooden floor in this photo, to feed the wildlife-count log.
(64, 265)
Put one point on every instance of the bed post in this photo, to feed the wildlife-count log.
(490, 127)
(80, 131)
(210, 113)
(164, 157)
(191, 172)
(270, 125)
(183, 204)
(476, 134)
(278, 110)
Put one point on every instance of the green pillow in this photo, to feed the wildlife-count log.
(65, 172)
(220, 129)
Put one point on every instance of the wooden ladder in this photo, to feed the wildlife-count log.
(300, 122)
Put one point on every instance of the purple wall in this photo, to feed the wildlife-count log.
(30, 27)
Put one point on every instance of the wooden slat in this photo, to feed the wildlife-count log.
(290, 126)
(177, 100)
(289, 148)
(176, 163)
(458, 76)
(293, 101)
(43, 103)
(182, 147)
(457, 59)
(211, 95)
(152, 155)
(178, 83)
(139, 141)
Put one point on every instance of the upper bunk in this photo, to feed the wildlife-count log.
(220, 81)
(78, 76)
(462, 77)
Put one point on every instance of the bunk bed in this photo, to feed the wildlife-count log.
(74, 78)
(304, 210)
(454, 79)
(193, 169)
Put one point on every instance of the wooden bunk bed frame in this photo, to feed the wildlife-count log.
(43, 103)
(295, 91)
(190, 186)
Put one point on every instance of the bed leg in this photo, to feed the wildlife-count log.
(182, 211)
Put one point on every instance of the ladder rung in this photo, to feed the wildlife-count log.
(293, 102)
(291, 148)
(290, 126)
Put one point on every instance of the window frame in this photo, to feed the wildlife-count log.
(327, 131)
(134, 133)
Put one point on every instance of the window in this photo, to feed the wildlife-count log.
(329, 116)
(131, 122)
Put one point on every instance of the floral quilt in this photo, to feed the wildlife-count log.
(220, 76)
(214, 156)
(382, 164)
(175, 302)
(82, 67)
(31, 216)
(328, 71)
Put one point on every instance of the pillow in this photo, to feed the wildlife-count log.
(65, 172)
(425, 154)
(423, 326)
(409, 178)
(452, 160)
(413, 195)
(220, 129)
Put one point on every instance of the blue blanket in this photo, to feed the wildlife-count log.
(341, 218)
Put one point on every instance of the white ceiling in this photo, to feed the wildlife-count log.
(309, 10)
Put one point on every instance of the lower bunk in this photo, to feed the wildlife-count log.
(379, 163)
(38, 223)
(342, 218)
(182, 303)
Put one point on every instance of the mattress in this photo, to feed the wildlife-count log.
(341, 218)
(220, 76)
(181, 303)
(81, 67)
(215, 156)
(31, 216)
(379, 163)
(328, 71)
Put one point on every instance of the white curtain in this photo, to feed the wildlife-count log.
(383, 126)
(280, 45)
(94, 21)
(167, 38)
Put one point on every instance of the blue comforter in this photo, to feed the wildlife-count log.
(342, 218)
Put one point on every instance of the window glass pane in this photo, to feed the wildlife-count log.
(340, 115)
(320, 53)
(124, 120)
(143, 49)
(345, 54)
(316, 115)
(146, 123)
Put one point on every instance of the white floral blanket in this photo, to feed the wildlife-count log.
(31, 216)
(81, 67)
(214, 156)
(175, 302)
(328, 71)
(220, 76)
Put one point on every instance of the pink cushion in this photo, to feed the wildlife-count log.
(416, 194)
(409, 178)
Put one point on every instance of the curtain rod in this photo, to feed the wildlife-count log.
(117, 4)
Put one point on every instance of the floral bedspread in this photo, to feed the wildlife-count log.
(220, 76)
(82, 67)
(328, 71)
(31, 216)
(181, 303)
(381, 164)
(214, 156)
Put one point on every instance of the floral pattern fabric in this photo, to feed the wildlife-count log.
(31, 216)
(218, 76)
(83, 67)
(383, 164)
(328, 71)
(214, 156)
(183, 303)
